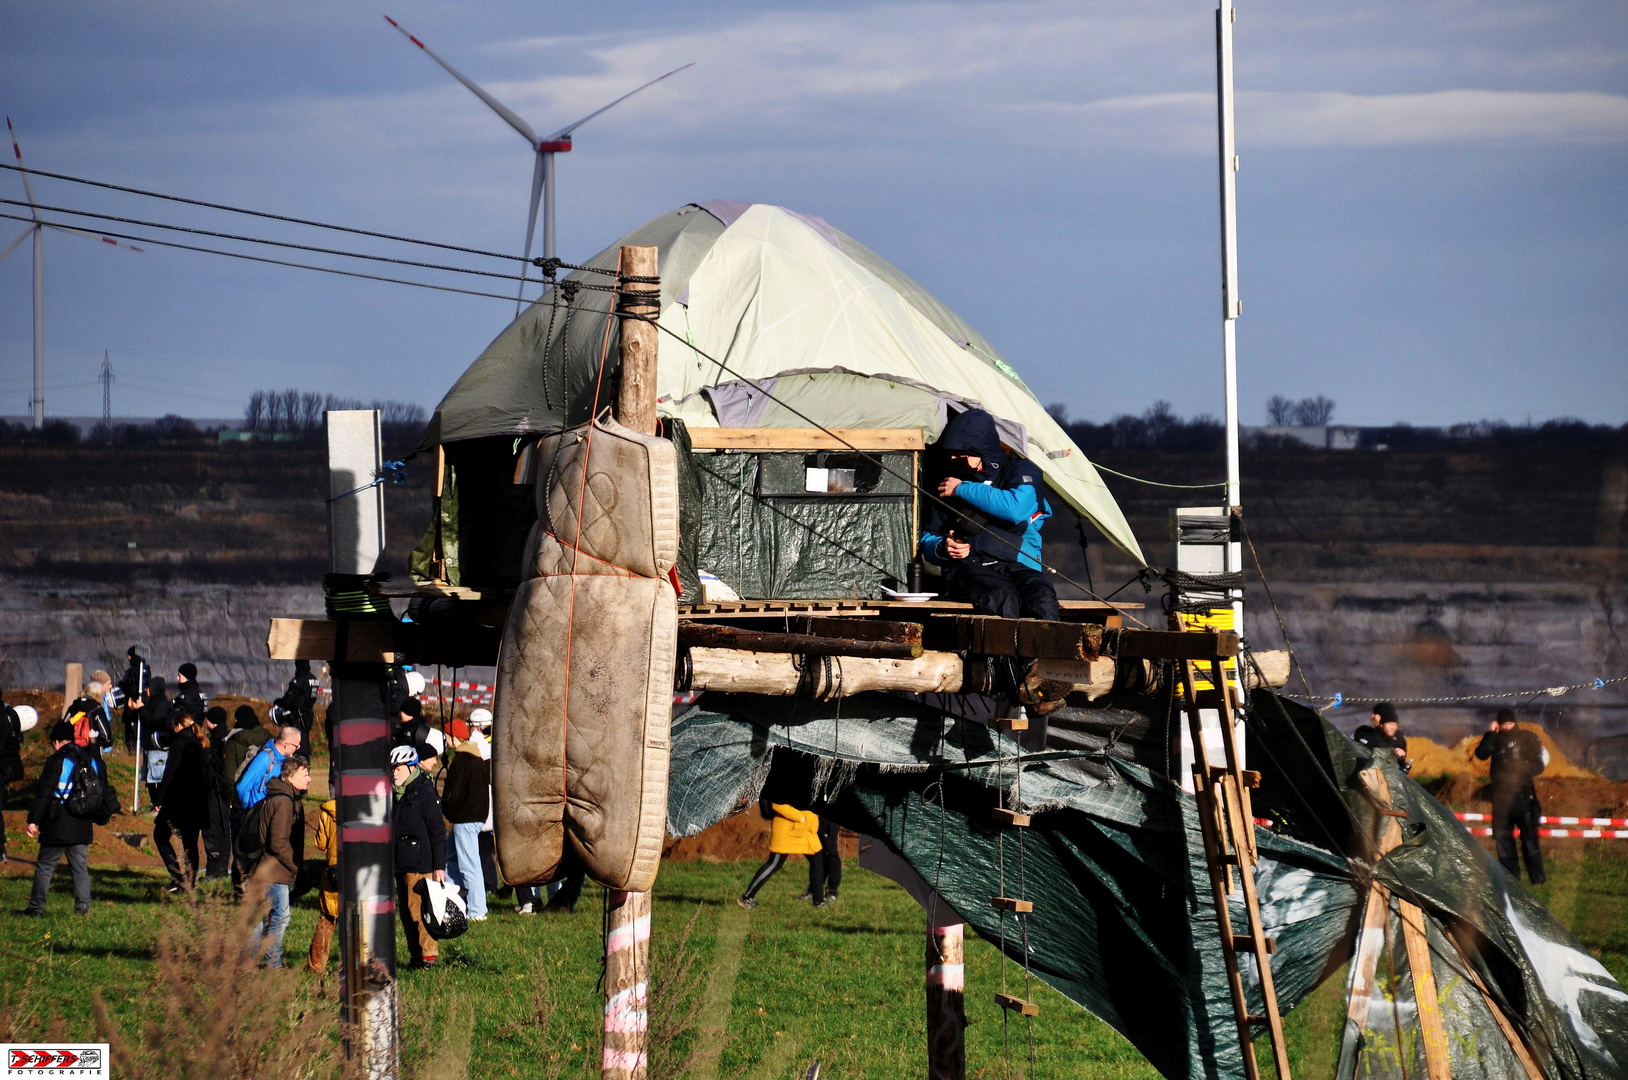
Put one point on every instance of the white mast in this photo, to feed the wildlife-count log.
(1231, 306)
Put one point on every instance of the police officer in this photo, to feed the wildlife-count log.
(1384, 732)
(1517, 756)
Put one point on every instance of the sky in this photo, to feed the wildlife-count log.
(1433, 194)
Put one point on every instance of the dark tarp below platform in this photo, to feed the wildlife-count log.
(1114, 863)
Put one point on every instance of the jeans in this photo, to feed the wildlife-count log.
(50, 855)
(463, 864)
(268, 938)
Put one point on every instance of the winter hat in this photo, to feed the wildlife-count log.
(1386, 713)
(188, 671)
(459, 729)
(62, 731)
(246, 717)
(215, 715)
(412, 707)
(403, 755)
(1506, 716)
(425, 750)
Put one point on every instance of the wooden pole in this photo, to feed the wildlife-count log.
(72, 683)
(946, 1003)
(627, 937)
(639, 299)
(627, 987)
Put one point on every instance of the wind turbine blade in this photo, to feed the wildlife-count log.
(27, 187)
(89, 235)
(496, 106)
(26, 233)
(569, 128)
(531, 225)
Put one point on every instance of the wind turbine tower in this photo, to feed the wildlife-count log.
(542, 174)
(36, 230)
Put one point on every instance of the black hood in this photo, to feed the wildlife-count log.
(973, 432)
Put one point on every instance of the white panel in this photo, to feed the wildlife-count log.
(355, 502)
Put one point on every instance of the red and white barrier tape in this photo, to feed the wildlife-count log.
(1584, 834)
(1546, 820)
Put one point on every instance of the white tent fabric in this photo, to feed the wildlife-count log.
(774, 296)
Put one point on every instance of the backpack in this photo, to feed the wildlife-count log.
(250, 843)
(82, 733)
(89, 791)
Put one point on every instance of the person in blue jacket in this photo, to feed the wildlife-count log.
(265, 765)
(983, 532)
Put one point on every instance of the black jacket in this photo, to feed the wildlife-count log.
(1516, 757)
(189, 698)
(58, 828)
(11, 745)
(420, 834)
(1374, 737)
(101, 734)
(184, 792)
(467, 796)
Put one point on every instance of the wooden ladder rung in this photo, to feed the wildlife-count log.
(1013, 723)
(1010, 817)
(1011, 903)
(1250, 778)
(1017, 1004)
(1245, 944)
(1253, 1019)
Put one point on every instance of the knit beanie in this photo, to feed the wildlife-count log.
(1386, 712)
(246, 717)
(1506, 716)
(189, 670)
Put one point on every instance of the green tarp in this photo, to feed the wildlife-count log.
(1123, 924)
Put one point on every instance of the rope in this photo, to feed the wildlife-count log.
(1497, 695)
(1153, 483)
(284, 262)
(1276, 614)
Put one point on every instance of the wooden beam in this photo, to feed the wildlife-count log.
(1092, 678)
(636, 393)
(713, 636)
(458, 644)
(783, 675)
(990, 635)
(866, 439)
(858, 629)
(1177, 644)
(1425, 997)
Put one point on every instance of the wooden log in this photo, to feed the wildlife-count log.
(1177, 644)
(858, 629)
(1092, 678)
(627, 987)
(866, 439)
(946, 1003)
(636, 394)
(713, 636)
(782, 674)
(990, 635)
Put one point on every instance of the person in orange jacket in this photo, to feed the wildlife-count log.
(791, 832)
(328, 898)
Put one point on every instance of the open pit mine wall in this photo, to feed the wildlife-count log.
(1358, 639)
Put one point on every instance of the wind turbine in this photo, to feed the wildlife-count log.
(37, 232)
(542, 174)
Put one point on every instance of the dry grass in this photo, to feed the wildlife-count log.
(217, 1014)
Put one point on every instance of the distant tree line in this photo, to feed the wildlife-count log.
(1157, 428)
(292, 412)
(1307, 412)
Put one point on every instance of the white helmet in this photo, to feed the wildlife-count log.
(403, 755)
(28, 715)
(415, 683)
(480, 718)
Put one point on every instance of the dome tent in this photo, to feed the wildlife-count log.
(773, 294)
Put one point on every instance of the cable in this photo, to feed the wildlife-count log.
(259, 213)
(295, 265)
(1282, 629)
(259, 240)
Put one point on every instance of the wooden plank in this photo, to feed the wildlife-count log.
(714, 636)
(776, 609)
(316, 639)
(990, 635)
(858, 629)
(1177, 644)
(1012, 904)
(1425, 997)
(866, 439)
(1010, 817)
(1245, 943)
(1013, 1003)
(1092, 678)
(783, 675)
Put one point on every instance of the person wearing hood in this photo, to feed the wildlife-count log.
(217, 834)
(466, 801)
(420, 842)
(187, 694)
(137, 674)
(153, 717)
(983, 532)
(182, 801)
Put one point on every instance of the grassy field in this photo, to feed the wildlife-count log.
(786, 985)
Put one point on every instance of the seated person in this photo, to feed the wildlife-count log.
(985, 534)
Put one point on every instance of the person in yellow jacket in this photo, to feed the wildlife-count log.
(791, 832)
(328, 900)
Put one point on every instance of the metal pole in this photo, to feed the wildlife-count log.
(39, 327)
(548, 205)
(1231, 306)
(107, 394)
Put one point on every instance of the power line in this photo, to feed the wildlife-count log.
(258, 213)
(295, 265)
(259, 240)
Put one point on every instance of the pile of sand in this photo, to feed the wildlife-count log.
(1433, 759)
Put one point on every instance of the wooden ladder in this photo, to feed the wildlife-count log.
(1229, 842)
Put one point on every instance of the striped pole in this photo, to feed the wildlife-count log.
(627, 987)
(946, 1003)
